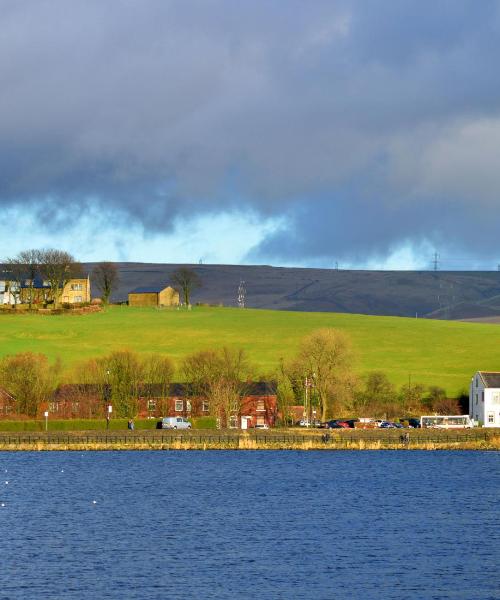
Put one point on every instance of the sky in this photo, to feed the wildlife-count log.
(363, 133)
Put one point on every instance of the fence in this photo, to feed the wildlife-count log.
(276, 439)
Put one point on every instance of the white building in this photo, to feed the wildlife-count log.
(484, 398)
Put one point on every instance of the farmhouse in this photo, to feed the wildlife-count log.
(18, 291)
(154, 296)
(484, 398)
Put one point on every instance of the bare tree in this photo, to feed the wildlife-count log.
(58, 267)
(106, 277)
(158, 373)
(188, 280)
(325, 359)
(16, 274)
(220, 377)
(124, 374)
(30, 259)
(30, 379)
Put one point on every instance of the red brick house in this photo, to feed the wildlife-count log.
(7, 404)
(258, 405)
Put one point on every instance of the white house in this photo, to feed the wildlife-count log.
(6, 292)
(484, 398)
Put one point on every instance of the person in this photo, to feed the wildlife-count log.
(130, 424)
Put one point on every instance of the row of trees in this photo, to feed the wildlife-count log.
(321, 372)
(57, 268)
(122, 377)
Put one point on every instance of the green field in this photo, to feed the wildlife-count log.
(443, 353)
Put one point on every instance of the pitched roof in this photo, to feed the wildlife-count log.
(148, 289)
(491, 378)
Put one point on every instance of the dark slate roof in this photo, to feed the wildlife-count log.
(491, 379)
(258, 388)
(37, 283)
(148, 289)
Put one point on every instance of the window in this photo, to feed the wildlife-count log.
(260, 405)
(233, 422)
(151, 404)
(495, 398)
(179, 405)
(204, 406)
(78, 299)
(260, 421)
(477, 397)
(188, 405)
(76, 287)
(491, 417)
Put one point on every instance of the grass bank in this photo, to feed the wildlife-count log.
(444, 353)
(72, 425)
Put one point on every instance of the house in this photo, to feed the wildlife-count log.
(76, 291)
(484, 398)
(18, 291)
(7, 403)
(154, 296)
(257, 405)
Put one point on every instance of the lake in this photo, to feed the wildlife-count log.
(267, 524)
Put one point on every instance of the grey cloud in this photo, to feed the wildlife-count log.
(349, 117)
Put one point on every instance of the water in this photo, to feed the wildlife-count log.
(287, 525)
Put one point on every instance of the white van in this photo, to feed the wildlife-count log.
(173, 423)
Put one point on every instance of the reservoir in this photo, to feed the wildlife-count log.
(262, 524)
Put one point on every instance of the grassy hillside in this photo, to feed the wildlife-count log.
(434, 352)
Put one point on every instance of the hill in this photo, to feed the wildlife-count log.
(443, 353)
(428, 294)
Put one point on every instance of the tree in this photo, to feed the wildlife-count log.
(157, 374)
(285, 394)
(219, 376)
(411, 397)
(30, 259)
(325, 359)
(188, 280)
(16, 274)
(106, 278)
(379, 396)
(30, 379)
(124, 373)
(58, 267)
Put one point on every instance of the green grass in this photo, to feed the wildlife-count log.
(441, 353)
(94, 424)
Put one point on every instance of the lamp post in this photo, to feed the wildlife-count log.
(108, 415)
(46, 415)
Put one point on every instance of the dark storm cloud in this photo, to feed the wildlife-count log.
(368, 124)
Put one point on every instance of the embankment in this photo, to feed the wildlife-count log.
(480, 439)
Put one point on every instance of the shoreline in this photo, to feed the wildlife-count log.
(325, 440)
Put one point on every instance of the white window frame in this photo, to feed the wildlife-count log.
(179, 403)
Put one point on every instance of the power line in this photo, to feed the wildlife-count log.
(435, 262)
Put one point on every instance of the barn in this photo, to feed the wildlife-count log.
(153, 296)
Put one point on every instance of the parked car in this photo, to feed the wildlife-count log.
(262, 426)
(307, 423)
(173, 423)
(333, 424)
(387, 425)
